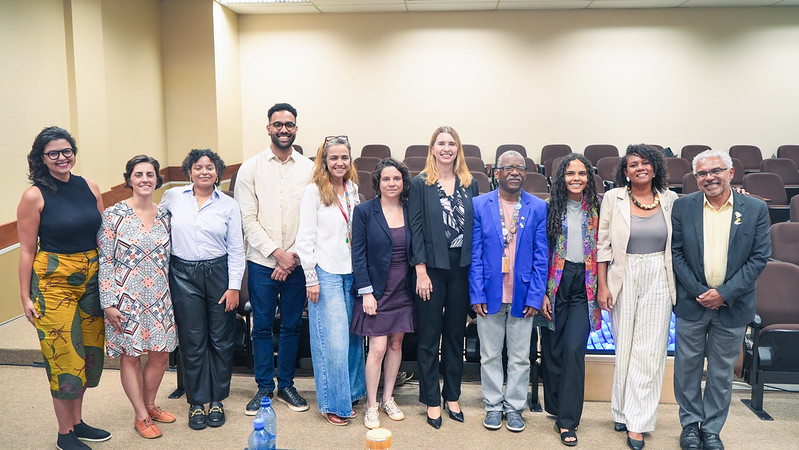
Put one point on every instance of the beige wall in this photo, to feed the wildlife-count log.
(188, 46)
(666, 76)
(90, 66)
(228, 83)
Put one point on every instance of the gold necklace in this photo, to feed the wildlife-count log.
(649, 207)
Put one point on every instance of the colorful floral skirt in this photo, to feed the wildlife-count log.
(70, 324)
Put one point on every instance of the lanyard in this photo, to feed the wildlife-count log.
(348, 238)
(507, 233)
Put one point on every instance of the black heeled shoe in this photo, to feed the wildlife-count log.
(435, 423)
(456, 416)
(635, 444)
(619, 426)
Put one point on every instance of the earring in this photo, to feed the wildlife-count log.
(628, 179)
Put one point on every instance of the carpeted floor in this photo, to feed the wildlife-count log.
(30, 423)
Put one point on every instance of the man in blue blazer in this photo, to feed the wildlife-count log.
(720, 245)
(507, 280)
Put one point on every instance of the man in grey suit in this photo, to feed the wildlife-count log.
(720, 244)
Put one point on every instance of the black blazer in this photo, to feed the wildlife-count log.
(371, 247)
(427, 225)
(749, 250)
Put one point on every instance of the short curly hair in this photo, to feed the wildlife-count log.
(403, 170)
(195, 155)
(654, 157)
(138, 159)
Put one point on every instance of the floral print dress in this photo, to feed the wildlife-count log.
(134, 278)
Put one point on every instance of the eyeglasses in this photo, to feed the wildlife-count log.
(278, 125)
(509, 169)
(67, 153)
(333, 138)
(715, 172)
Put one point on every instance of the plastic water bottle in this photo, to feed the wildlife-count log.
(270, 421)
(259, 440)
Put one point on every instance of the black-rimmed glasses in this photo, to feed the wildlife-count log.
(66, 153)
(278, 125)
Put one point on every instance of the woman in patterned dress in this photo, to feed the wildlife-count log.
(134, 291)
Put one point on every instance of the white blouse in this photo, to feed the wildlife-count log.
(323, 237)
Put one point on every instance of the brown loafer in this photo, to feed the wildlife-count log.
(336, 420)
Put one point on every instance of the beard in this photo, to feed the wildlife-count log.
(278, 144)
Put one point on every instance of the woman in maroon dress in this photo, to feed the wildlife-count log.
(384, 307)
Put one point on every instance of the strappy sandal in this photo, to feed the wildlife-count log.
(566, 434)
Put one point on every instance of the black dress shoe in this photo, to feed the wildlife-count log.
(619, 426)
(197, 419)
(216, 414)
(635, 444)
(435, 423)
(456, 416)
(689, 438)
(712, 441)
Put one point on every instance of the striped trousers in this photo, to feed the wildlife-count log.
(640, 320)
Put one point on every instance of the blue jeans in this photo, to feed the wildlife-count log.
(263, 297)
(338, 360)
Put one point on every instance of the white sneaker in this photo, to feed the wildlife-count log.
(371, 419)
(392, 410)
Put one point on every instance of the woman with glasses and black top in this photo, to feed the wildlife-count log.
(324, 242)
(57, 222)
(205, 278)
(440, 214)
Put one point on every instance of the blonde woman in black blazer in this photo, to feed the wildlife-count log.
(440, 210)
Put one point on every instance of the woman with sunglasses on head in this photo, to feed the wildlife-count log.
(381, 243)
(205, 276)
(636, 284)
(134, 292)
(440, 215)
(324, 241)
(570, 309)
(57, 222)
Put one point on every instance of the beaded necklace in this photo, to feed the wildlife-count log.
(649, 207)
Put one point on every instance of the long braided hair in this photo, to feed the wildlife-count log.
(559, 195)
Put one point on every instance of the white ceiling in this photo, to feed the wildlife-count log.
(359, 6)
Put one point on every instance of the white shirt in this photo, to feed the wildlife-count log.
(200, 234)
(269, 191)
(322, 238)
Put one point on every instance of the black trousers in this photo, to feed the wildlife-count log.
(563, 351)
(205, 330)
(443, 319)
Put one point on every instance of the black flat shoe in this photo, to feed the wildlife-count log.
(216, 414)
(435, 423)
(635, 444)
(618, 426)
(197, 418)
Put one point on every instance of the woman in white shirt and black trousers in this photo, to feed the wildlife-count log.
(206, 270)
(324, 241)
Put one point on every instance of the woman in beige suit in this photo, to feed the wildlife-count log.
(636, 284)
